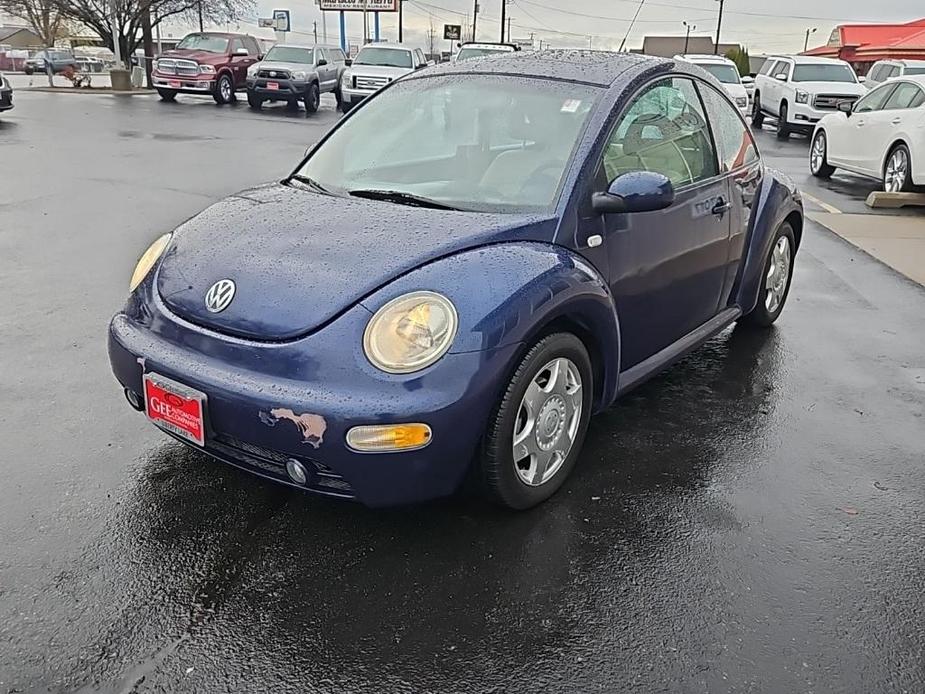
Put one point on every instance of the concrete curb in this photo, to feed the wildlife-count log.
(92, 90)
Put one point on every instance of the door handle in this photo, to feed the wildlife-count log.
(721, 207)
(896, 121)
(860, 123)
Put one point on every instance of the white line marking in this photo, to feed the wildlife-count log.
(824, 205)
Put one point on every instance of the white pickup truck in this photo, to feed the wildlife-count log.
(798, 91)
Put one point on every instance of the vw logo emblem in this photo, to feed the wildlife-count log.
(219, 296)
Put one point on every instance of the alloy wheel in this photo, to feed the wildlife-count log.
(897, 169)
(547, 422)
(225, 88)
(817, 156)
(778, 275)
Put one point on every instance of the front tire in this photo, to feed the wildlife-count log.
(819, 157)
(254, 101)
(536, 431)
(897, 174)
(783, 128)
(224, 90)
(757, 115)
(312, 98)
(778, 274)
(168, 95)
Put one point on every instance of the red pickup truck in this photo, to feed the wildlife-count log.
(206, 63)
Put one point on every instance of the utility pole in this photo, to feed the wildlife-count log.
(509, 18)
(400, 5)
(719, 26)
(199, 9)
(687, 38)
(806, 42)
(503, 18)
(315, 31)
(475, 17)
(365, 24)
(116, 39)
(324, 26)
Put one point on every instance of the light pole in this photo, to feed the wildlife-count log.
(806, 42)
(503, 17)
(687, 37)
(475, 17)
(719, 26)
(400, 22)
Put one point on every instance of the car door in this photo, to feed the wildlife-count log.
(770, 97)
(856, 144)
(897, 115)
(666, 268)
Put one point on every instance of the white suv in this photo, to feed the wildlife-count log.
(799, 91)
(726, 72)
(883, 70)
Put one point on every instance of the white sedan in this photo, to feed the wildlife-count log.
(881, 136)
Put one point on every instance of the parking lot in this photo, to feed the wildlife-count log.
(750, 521)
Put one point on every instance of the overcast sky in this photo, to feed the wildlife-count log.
(762, 25)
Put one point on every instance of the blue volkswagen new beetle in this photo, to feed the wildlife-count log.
(458, 276)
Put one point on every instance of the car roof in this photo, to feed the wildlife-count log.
(599, 68)
(703, 58)
(489, 44)
(808, 59)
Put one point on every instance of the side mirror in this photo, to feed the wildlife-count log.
(862, 79)
(348, 62)
(846, 107)
(240, 51)
(636, 191)
(322, 62)
(782, 77)
(421, 66)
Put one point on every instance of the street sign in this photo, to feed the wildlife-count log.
(452, 32)
(266, 23)
(282, 20)
(359, 5)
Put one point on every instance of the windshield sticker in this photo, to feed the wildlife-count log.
(571, 105)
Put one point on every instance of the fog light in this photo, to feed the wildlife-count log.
(296, 471)
(389, 437)
(134, 399)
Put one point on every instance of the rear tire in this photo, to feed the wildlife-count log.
(312, 98)
(168, 95)
(552, 441)
(757, 115)
(819, 157)
(783, 128)
(776, 280)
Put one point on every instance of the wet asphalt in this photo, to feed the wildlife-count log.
(750, 521)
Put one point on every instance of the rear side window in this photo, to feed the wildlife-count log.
(876, 73)
(733, 140)
(338, 55)
(766, 68)
(251, 44)
(895, 71)
(664, 130)
(904, 96)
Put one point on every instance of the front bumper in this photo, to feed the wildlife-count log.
(287, 89)
(355, 96)
(805, 116)
(324, 374)
(184, 85)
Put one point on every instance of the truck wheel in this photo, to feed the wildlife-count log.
(312, 98)
(28, 70)
(224, 90)
(783, 128)
(254, 101)
(338, 97)
(167, 94)
(757, 115)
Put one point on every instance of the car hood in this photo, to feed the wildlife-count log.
(299, 258)
(204, 57)
(292, 67)
(841, 88)
(380, 71)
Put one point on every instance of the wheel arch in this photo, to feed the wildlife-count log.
(901, 140)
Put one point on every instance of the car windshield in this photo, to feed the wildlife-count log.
(387, 57)
(915, 70)
(469, 52)
(203, 42)
(475, 142)
(727, 74)
(286, 54)
(823, 73)
(59, 55)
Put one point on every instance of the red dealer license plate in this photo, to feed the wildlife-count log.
(272, 85)
(175, 407)
(175, 84)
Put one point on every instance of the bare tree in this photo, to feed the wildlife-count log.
(131, 15)
(43, 17)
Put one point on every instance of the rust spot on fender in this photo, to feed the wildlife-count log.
(311, 426)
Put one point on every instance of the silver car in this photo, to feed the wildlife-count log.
(296, 73)
(375, 66)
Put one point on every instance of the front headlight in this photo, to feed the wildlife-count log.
(802, 97)
(206, 69)
(147, 261)
(298, 76)
(411, 332)
(154, 64)
(252, 70)
(346, 77)
(741, 101)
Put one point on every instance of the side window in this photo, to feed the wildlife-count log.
(251, 44)
(419, 57)
(236, 44)
(903, 96)
(876, 75)
(322, 54)
(733, 140)
(664, 130)
(918, 100)
(766, 69)
(875, 100)
(339, 55)
(785, 68)
(894, 71)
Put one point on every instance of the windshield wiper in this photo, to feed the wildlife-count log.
(311, 183)
(401, 198)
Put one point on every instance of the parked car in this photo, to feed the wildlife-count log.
(6, 94)
(375, 66)
(748, 81)
(59, 59)
(89, 64)
(413, 307)
(800, 90)
(212, 63)
(883, 70)
(881, 136)
(479, 49)
(726, 72)
(294, 73)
